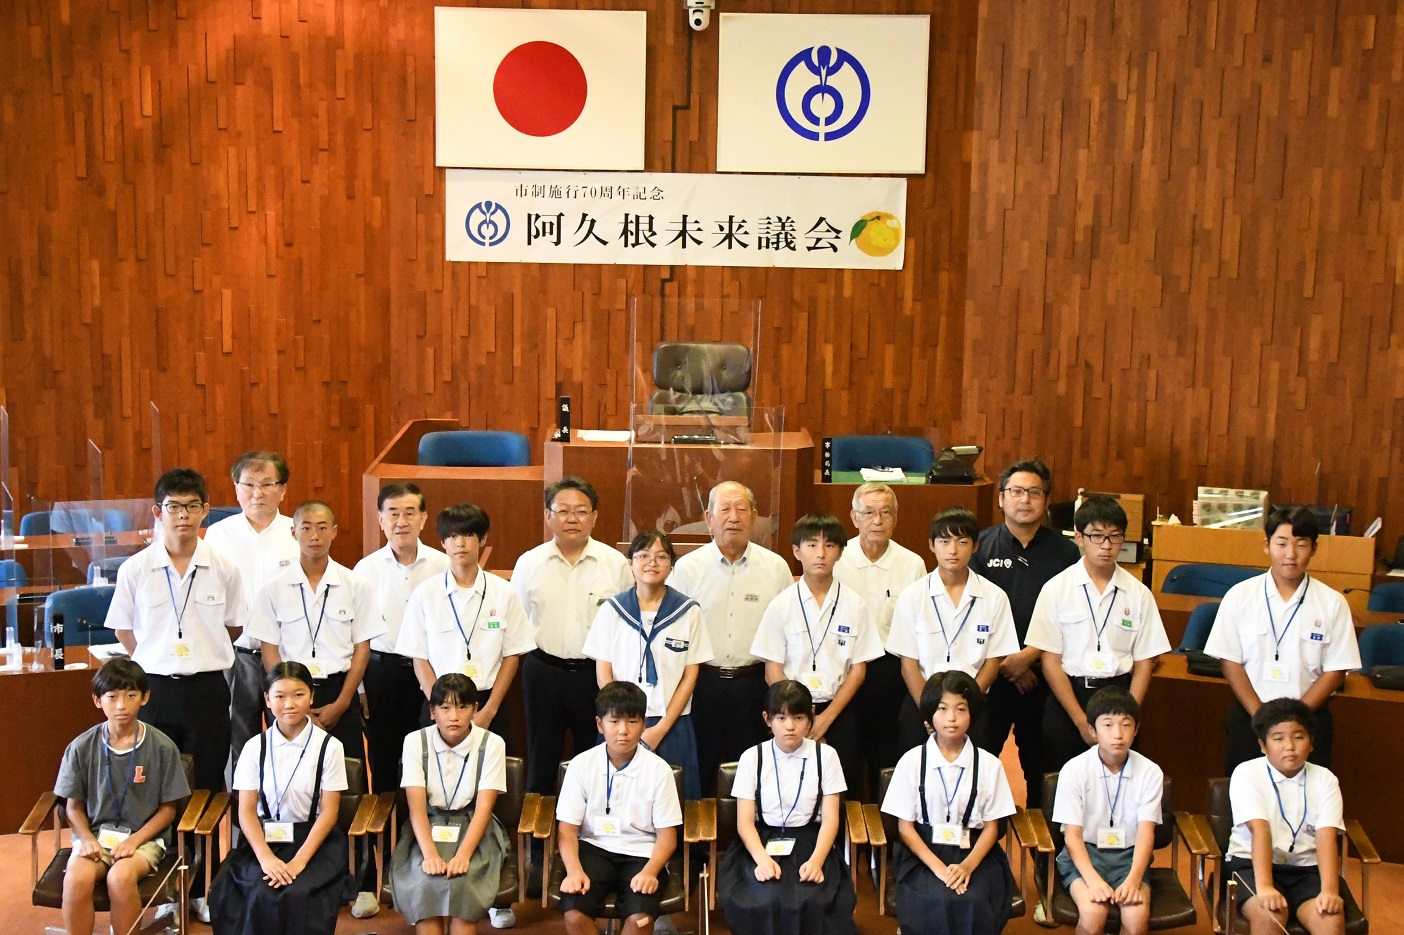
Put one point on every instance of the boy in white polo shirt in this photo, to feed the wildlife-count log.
(617, 820)
(819, 634)
(950, 619)
(467, 620)
(1283, 634)
(1284, 849)
(1097, 626)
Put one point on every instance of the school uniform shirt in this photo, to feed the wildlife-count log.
(290, 771)
(817, 644)
(561, 599)
(1301, 803)
(1021, 571)
(641, 798)
(179, 624)
(122, 788)
(993, 801)
(393, 583)
(1098, 635)
(880, 582)
(733, 595)
(1284, 646)
(320, 628)
(683, 643)
(467, 630)
(791, 803)
(1093, 798)
(259, 555)
(940, 635)
(449, 784)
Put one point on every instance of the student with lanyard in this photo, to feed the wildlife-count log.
(932, 629)
(654, 636)
(1283, 634)
(782, 874)
(288, 875)
(446, 872)
(952, 877)
(819, 634)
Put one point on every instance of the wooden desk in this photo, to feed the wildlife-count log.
(511, 496)
(917, 504)
(1183, 731)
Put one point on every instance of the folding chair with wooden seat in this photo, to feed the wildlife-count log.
(1170, 905)
(170, 882)
(1221, 896)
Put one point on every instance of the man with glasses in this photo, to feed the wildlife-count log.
(260, 542)
(561, 585)
(177, 608)
(879, 569)
(1097, 626)
(1021, 555)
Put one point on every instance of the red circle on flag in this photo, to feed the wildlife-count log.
(539, 88)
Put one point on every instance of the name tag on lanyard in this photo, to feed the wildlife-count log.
(950, 833)
(780, 847)
(1114, 838)
(109, 836)
(444, 834)
(278, 832)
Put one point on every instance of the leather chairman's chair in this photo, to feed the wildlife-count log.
(911, 453)
(701, 379)
(84, 614)
(474, 448)
(1201, 622)
(1206, 580)
(1381, 645)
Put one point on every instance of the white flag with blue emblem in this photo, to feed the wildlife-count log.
(822, 94)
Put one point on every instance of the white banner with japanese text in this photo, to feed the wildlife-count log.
(662, 218)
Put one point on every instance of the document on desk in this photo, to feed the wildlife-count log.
(105, 651)
(884, 475)
(602, 435)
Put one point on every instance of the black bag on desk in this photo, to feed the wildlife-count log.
(950, 468)
(1390, 678)
(1201, 663)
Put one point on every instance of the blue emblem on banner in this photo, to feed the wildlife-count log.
(487, 223)
(836, 98)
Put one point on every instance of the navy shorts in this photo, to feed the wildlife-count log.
(611, 873)
(1299, 885)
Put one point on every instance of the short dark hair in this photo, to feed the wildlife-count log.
(119, 675)
(572, 483)
(953, 523)
(1028, 466)
(1281, 711)
(453, 688)
(1302, 519)
(950, 682)
(818, 526)
(1099, 509)
(181, 480)
(1113, 700)
(252, 458)
(314, 505)
(401, 488)
(621, 699)
(649, 536)
(789, 697)
(463, 519)
(287, 670)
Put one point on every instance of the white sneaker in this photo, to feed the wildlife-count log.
(201, 907)
(502, 918)
(365, 906)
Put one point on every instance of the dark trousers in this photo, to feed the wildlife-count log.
(876, 706)
(1005, 708)
(193, 711)
(1061, 739)
(394, 697)
(559, 696)
(1241, 744)
(842, 735)
(726, 715)
(245, 679)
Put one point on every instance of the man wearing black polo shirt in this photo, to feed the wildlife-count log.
(1020, 556)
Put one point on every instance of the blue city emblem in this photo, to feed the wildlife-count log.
(824, 111)
(487, 223)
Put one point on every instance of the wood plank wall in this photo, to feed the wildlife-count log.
(1187, 244)
(230, 210)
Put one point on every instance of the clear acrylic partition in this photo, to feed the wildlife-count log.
(656, 323)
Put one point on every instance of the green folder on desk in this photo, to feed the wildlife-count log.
(856, 477)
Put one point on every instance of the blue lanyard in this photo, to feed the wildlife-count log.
(942, 623)
(131, 773)
(951, 793)
(273, 767)
(1106, 787)
(1283, 811)
(302, 593)
(467, 637)
(1106, 618)
(779, 796)
(833, 609)
(180, 611)
(1276, 639)
(609, 780)
(439, 762)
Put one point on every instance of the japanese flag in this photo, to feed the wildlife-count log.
(539, 89)
(821, 94)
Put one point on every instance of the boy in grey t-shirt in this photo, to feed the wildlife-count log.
(122, 780)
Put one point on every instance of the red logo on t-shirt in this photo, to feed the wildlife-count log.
(139, 774)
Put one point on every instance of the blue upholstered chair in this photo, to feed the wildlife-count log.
(12, 574)
(472, 448)
(218, 513)
(1388, 598)
(1203, 580)
(84, 613)
(1381, 645)
(78, 522)
(1201, 621)
(914, 455)
(109, 568)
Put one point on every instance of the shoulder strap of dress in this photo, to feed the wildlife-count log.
(424, 758)
(819, 783)
(263, 755)
(317, 783)
(478, 773)
(974, 789)
(921, 787)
